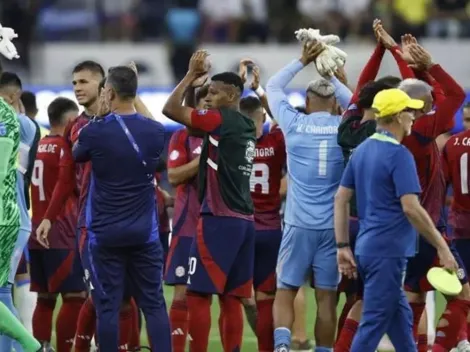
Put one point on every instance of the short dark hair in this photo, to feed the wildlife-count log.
(89, 65)
(123, 80)
(249, 105)
(369, 91)
(10, 79)
(301, 109)
(391, 81)
(201, 93)
(29, 102)
(102, 83)
(230, 78)
(58, 108)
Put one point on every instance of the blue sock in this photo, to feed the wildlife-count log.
(282, 338)
(6, 298)
(323, 349)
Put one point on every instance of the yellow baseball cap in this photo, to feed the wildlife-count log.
(392, 101)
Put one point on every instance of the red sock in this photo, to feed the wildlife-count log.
(344, 315)
(456, 316)
(423, 343)
(418, 309)
(179, 324)
(66, 324)
(125, 325)
(233, 323)
(42, 319)
(221, 324)
(134, 333)
(86, 326)
(264, 325)
(346, 336)
(199, 309)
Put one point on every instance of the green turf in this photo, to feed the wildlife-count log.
(249, 340)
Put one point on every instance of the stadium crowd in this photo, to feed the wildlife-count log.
(362, 172)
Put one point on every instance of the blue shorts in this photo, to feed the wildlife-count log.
(425, 259)
(23, 265)
(177, 263)
(222, 256)
(113, 270)
(56, 271)
(305, 251)
(267, 247)
(20, 245)
(385, 308)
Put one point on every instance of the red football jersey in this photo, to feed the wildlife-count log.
(265, 181)
(44, 178)
(455, 161)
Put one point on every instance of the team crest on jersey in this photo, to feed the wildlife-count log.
(3, 129)
(179, 272)
(202, 112)
(174, 155)
(250, 151)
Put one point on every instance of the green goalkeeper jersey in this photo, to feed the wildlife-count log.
(9, 146)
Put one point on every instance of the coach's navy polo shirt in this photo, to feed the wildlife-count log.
(120, 208)
(381, 171)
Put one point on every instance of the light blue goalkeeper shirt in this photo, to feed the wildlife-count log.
(315, 161)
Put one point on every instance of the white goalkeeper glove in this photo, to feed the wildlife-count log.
(331, 58)
(7, 48)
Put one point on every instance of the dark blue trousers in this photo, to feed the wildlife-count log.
(385, 307)
(140, 267)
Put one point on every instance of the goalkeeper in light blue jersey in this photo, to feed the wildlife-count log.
(315, 165)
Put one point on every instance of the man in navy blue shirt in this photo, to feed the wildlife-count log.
(122, 242)
(382, 174)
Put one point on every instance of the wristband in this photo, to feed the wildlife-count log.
(259, 91)
(342, 244)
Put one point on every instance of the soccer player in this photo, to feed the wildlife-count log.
(57, 269)
(430, 123)
(183, 162)
(29, 102)
(121, 223)
(87, 76)
(10, 90)
(10, 220)
(314, 165)
(265, 181)
(455, 160)
(222, 253)
(383, 175)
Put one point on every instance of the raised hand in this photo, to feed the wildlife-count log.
(382, 35)
(310, 51)
(199, 65)
(256, 78)
(421, 57)
(243, 68)
(406, 41)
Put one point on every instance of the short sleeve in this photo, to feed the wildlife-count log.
(206, 120)
(347, 180)
(177, 151)
(404, 173)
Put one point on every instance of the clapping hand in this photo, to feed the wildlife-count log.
(422, 59)
(199, 64)
(382, 35)
(7, 48)
(243, 72)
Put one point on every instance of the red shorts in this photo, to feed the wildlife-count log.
(56, 271)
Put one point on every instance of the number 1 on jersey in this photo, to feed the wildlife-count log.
(464, 173)
(322, 158)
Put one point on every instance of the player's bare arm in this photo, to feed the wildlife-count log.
(346, 262)
(182, 174)
(283, 187)
(174, 108)
(420, 219)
